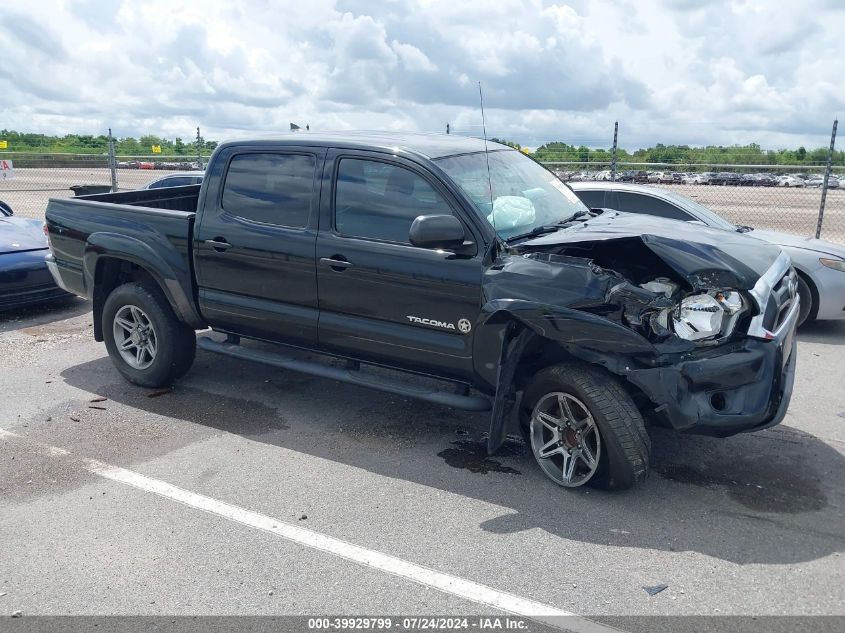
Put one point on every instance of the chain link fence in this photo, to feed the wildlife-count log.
(781, 198)
(37, 177)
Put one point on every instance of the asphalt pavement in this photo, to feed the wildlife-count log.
(247, 490)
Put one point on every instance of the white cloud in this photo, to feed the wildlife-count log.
(413, 59)
(669, 71)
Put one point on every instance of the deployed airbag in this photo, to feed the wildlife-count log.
(510, 212)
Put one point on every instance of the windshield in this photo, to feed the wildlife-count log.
(699, 210)
(525, 195)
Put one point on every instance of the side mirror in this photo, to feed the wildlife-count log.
(437, 231)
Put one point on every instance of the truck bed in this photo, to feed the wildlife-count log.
(152, 228)
(171, 198)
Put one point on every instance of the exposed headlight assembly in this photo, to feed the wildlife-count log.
(836, 264)
(705, 317)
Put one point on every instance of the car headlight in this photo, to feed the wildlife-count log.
(836, 264)
(707, 316)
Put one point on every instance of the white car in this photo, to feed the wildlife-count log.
(791, 181)
(820, 264)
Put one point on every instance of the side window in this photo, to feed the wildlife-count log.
(380, 201)
(270, 188)
(636, 203)
(177, 181)
(596, 199)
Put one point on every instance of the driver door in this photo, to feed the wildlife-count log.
(381, 298)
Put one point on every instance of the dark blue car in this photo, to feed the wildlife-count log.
(24, 278)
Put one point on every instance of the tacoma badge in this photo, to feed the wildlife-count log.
(434, 322)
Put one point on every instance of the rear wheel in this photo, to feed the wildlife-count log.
(584, 429)
(145, 340)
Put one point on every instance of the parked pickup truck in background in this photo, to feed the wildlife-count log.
(427, 255)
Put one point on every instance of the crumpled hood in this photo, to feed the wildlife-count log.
(21, 234)
(705, 257)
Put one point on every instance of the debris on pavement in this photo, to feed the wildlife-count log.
(74, 418)
(98, 399)
(656, 589)
(94, 406)
(17, 614)
(159, 392)
(303, 517)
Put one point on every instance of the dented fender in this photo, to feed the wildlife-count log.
(558, 297)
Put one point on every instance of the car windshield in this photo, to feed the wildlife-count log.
(525, 195)
(699, 210)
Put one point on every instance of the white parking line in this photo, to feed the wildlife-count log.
(446, 583)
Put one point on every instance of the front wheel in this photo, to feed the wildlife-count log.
(145, 340)
(584, 428)
(806, 296)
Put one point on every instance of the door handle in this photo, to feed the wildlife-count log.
(338, 265)
(218, 244)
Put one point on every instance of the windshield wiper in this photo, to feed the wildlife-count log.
(537, 230)
(547, 228)
(575, 216)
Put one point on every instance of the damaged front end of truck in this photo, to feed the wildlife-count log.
(699, 328)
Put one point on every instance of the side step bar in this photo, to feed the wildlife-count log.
(455, 400)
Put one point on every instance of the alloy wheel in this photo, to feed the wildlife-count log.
(565, 439)
(135, 337)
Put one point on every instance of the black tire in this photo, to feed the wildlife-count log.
(626, 447)
(806, 295)
(175, 341)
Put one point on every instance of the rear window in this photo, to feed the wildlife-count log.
(270, 188)
(598, 198)
(649, 205)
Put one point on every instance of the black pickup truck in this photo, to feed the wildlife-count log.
(428, 255)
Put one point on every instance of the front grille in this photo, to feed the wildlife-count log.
(780, 300)
(775, 293)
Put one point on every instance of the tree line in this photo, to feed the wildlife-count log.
(751, 154)
(89, 144)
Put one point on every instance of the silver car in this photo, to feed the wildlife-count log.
(820, 264)
(176, 179)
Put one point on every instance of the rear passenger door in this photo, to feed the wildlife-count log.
(254, 246)
(380, 297)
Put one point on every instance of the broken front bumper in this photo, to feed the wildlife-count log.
(739, 387)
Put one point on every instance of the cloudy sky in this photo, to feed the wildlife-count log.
(671, 71)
